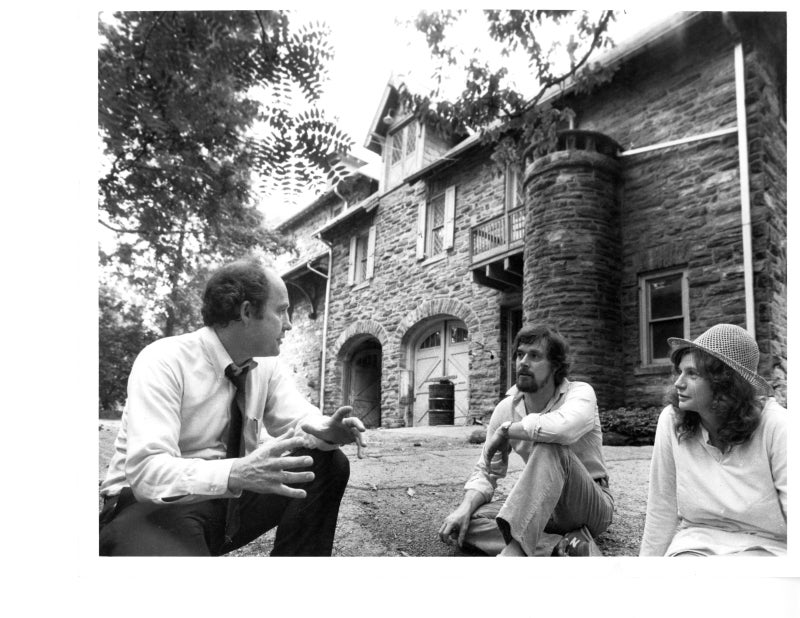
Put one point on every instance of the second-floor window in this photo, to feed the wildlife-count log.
(436, 223)
(403, 153)
(664, 313)
(514, 198)
(362, 257)
(513, 187)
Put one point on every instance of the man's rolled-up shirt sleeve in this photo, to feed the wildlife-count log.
(154, 466)
(567, 423)
(484, 478)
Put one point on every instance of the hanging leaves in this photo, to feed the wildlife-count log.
(193, 107)
(516, 124)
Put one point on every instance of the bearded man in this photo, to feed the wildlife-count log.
(562, 492)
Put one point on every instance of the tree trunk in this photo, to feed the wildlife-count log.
(174, 280)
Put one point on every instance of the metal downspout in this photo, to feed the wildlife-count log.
(324, 346)
(744, 175)
(324, 324)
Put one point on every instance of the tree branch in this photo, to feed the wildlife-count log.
(147, 36)
(122, 230)
(556, 81)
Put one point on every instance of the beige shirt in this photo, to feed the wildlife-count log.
(571, 417)
(703, 500)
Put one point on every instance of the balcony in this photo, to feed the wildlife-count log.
(496, 248)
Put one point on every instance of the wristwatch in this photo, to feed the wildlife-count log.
(505, 427)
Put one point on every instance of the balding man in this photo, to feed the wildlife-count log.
(188, 476)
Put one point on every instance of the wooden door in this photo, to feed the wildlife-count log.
(365, 386)
(442, 350)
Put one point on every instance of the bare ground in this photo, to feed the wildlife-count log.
(411, 478)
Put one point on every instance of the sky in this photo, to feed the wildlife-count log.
(370, 49)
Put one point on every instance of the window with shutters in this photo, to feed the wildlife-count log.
(664, 313)
(362, 257)
(434, 243)
(436, 223)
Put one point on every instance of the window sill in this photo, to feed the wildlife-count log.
(653, 370)
(434, 259)
(360, 286)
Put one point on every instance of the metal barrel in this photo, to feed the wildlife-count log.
(441, 403)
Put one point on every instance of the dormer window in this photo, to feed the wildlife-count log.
(403, 155)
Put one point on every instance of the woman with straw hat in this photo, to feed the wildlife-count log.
(718, 473)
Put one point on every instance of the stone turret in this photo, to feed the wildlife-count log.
(573, 262)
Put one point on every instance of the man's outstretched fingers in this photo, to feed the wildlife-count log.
(292, 478)
(284, 445)
(290, 492)
(341, 413)
(290, 463)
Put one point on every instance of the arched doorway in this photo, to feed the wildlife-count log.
(441, 350)
(362, 383)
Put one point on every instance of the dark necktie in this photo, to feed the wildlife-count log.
(234, 442)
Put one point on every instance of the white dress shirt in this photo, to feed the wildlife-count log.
(171, 444)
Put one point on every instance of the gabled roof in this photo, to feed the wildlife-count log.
(364, 205)
(628, 49)
(378, 128)
(359, 169)
(389, 103)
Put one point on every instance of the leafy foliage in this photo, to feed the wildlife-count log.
(180, 96)
(518, 125)
(637, 424)
(122, 335)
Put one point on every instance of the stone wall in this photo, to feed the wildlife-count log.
(573, 262)
(301, 349)
(405, 291)
(678, 207)
(681, 206)
(767, 149)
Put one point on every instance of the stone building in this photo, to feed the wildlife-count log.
(661, 213)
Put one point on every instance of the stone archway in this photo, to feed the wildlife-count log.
(406, 337)
(436, 307)
(361, 327)
(359, 354)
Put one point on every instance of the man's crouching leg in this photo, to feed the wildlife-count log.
(554, 494)
(306, 526)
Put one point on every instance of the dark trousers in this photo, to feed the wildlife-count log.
(306, 526)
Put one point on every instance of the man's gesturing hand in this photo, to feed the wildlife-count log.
(264, 471)
(339, 428)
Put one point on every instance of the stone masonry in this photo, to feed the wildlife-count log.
(667, 196)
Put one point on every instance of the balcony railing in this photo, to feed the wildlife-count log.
(497, 235)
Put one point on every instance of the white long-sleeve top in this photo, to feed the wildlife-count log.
(703, 500)
(171, 445)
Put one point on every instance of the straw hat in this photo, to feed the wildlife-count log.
(734, 346)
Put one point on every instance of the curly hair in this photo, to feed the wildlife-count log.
(230, 286)
(734, 400)
(557, 347)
